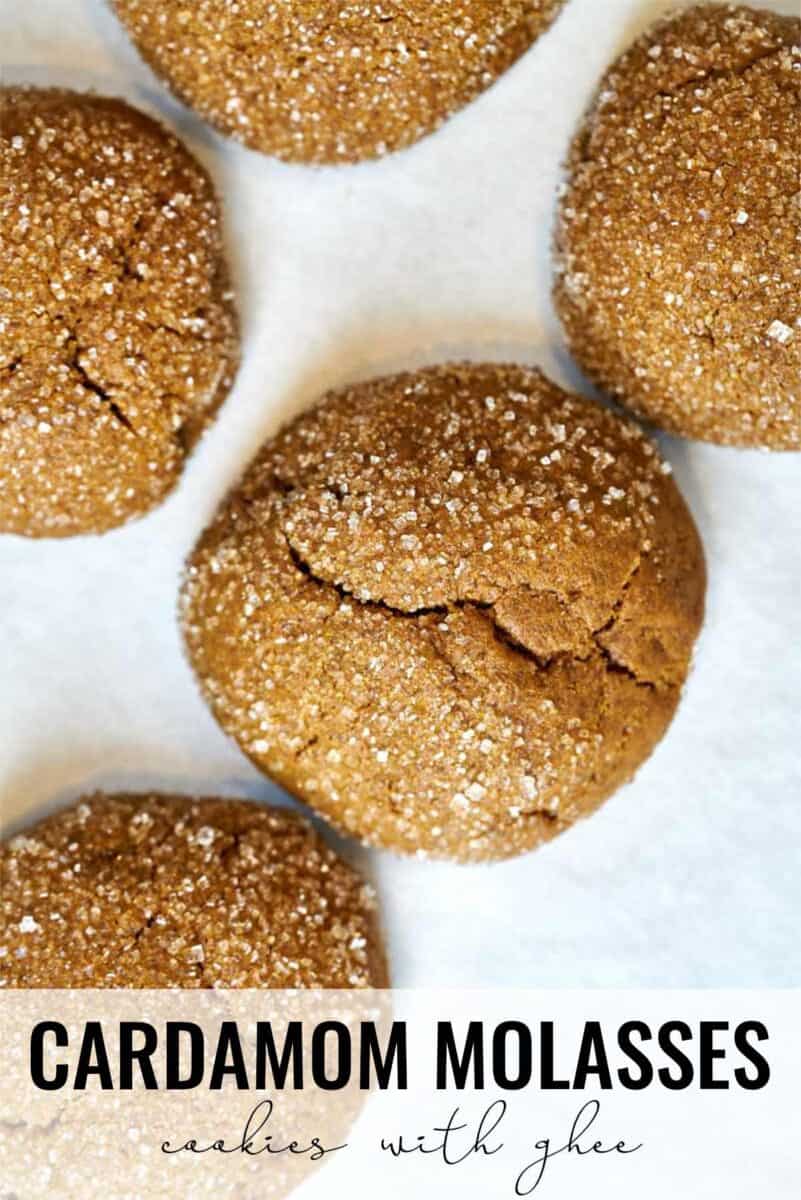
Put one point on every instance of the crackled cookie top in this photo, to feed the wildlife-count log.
(332, 82)
(679, 240)
(161, 891)
(451, 610)
(117, 336)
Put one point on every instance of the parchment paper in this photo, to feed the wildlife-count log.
(689, 877)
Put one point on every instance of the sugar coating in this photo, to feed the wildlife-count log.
(118, 339)
(451, 610)
(679, 238)
(158, 891)
(330, 83)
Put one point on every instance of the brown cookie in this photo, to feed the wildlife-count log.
(332, 83)
(118, 339)
(162, 891)
(451, 610)
(679, 263)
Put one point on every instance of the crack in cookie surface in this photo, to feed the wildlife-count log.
(114, 310)
(470, 690)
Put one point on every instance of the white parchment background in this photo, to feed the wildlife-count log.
(689, 877)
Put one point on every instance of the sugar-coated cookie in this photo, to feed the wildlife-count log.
(679, 263)
(118, 338)
(452, 610)
(151, 891)
(332, 82)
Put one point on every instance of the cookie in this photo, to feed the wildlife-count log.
(332, 83)
(451, 610)
(118, 339)
(162, 892)
(679, 272)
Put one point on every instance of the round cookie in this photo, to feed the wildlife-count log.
(118, 339)
(451, 610)
(332, 83)
(162, 892)
(679, 272)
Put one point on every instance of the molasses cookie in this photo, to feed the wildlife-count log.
(117, 335)
(451, 610)
(162, 892)
(332, 83)
(679, 272)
